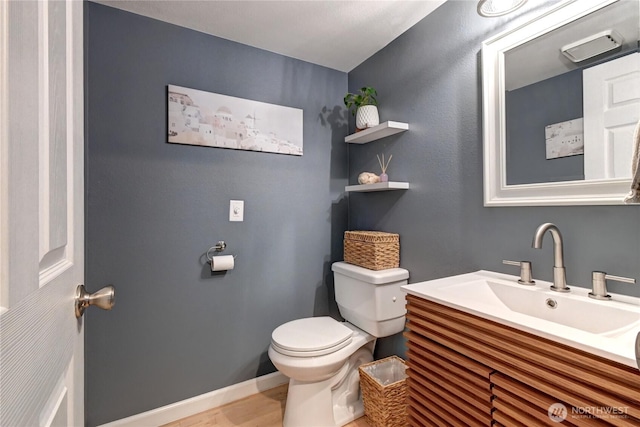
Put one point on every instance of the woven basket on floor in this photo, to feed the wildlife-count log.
(375, 250)
(384, 405)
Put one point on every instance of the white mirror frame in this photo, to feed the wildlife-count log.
(496, 190)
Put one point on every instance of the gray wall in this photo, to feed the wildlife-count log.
(529, 110)
(430, 77)
(153, 209)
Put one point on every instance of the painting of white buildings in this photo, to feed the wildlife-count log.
(203, 118)
(564, 139)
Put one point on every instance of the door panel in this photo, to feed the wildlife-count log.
(611, 112)
(53, 139)
(42, 232)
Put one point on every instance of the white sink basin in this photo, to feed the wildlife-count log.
(605, 328)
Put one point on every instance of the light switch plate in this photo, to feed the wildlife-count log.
(236, 210)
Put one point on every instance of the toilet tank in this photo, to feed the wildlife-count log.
(371, 300)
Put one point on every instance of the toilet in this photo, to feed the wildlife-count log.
(321, 355)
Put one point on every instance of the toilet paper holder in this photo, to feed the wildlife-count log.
(220, 263)
(218, 247)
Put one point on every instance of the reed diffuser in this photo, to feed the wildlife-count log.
(383, 176)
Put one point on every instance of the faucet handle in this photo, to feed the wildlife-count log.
(525, 271)
(599, 279)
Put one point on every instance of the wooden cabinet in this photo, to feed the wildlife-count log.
(446, 387)
(465, 370)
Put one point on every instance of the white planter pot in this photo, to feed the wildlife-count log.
(367, 116)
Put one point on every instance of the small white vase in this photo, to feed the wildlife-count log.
(367, 116)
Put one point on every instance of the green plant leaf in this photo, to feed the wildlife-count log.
(366, 96)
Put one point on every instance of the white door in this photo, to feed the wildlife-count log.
(611, 101)
(41, 212)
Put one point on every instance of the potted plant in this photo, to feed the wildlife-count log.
(366, 107)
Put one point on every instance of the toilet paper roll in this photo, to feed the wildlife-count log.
(222, 263)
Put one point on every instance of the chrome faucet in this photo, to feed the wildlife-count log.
(559, 273)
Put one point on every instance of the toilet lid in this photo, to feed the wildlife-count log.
(313, 336)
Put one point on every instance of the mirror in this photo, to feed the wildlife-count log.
(558, 126)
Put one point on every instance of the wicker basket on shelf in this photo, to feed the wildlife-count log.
(375, 250)
(384, 392)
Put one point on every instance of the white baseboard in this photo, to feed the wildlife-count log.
(204, 402)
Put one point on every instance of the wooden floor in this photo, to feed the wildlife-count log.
(260, 410)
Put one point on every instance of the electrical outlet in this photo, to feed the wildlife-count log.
(236, 210)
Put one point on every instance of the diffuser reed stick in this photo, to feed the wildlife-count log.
(382, 163)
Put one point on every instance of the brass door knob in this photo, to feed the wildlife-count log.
(104, 299)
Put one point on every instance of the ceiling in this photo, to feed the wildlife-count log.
(338, 34)
(622, 16)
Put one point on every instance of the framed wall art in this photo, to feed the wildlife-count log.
(209, 119)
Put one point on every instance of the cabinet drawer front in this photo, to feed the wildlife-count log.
(566, 374)
(438, 402)
(456, 395)
(423, 419)
(443, 380)
(454, 376)
(503, 419)
(521, 398)
(465, 367)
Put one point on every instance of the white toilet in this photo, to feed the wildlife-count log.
(321, 355)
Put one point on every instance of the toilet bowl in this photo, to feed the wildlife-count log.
(320, 390)
(321, 355)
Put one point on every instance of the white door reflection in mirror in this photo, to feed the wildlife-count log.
(611, 100)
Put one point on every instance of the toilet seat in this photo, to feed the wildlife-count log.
(313, 336)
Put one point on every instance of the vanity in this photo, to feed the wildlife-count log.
(484, 350)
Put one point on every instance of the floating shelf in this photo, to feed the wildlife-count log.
(378, 186)
(377, 132)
